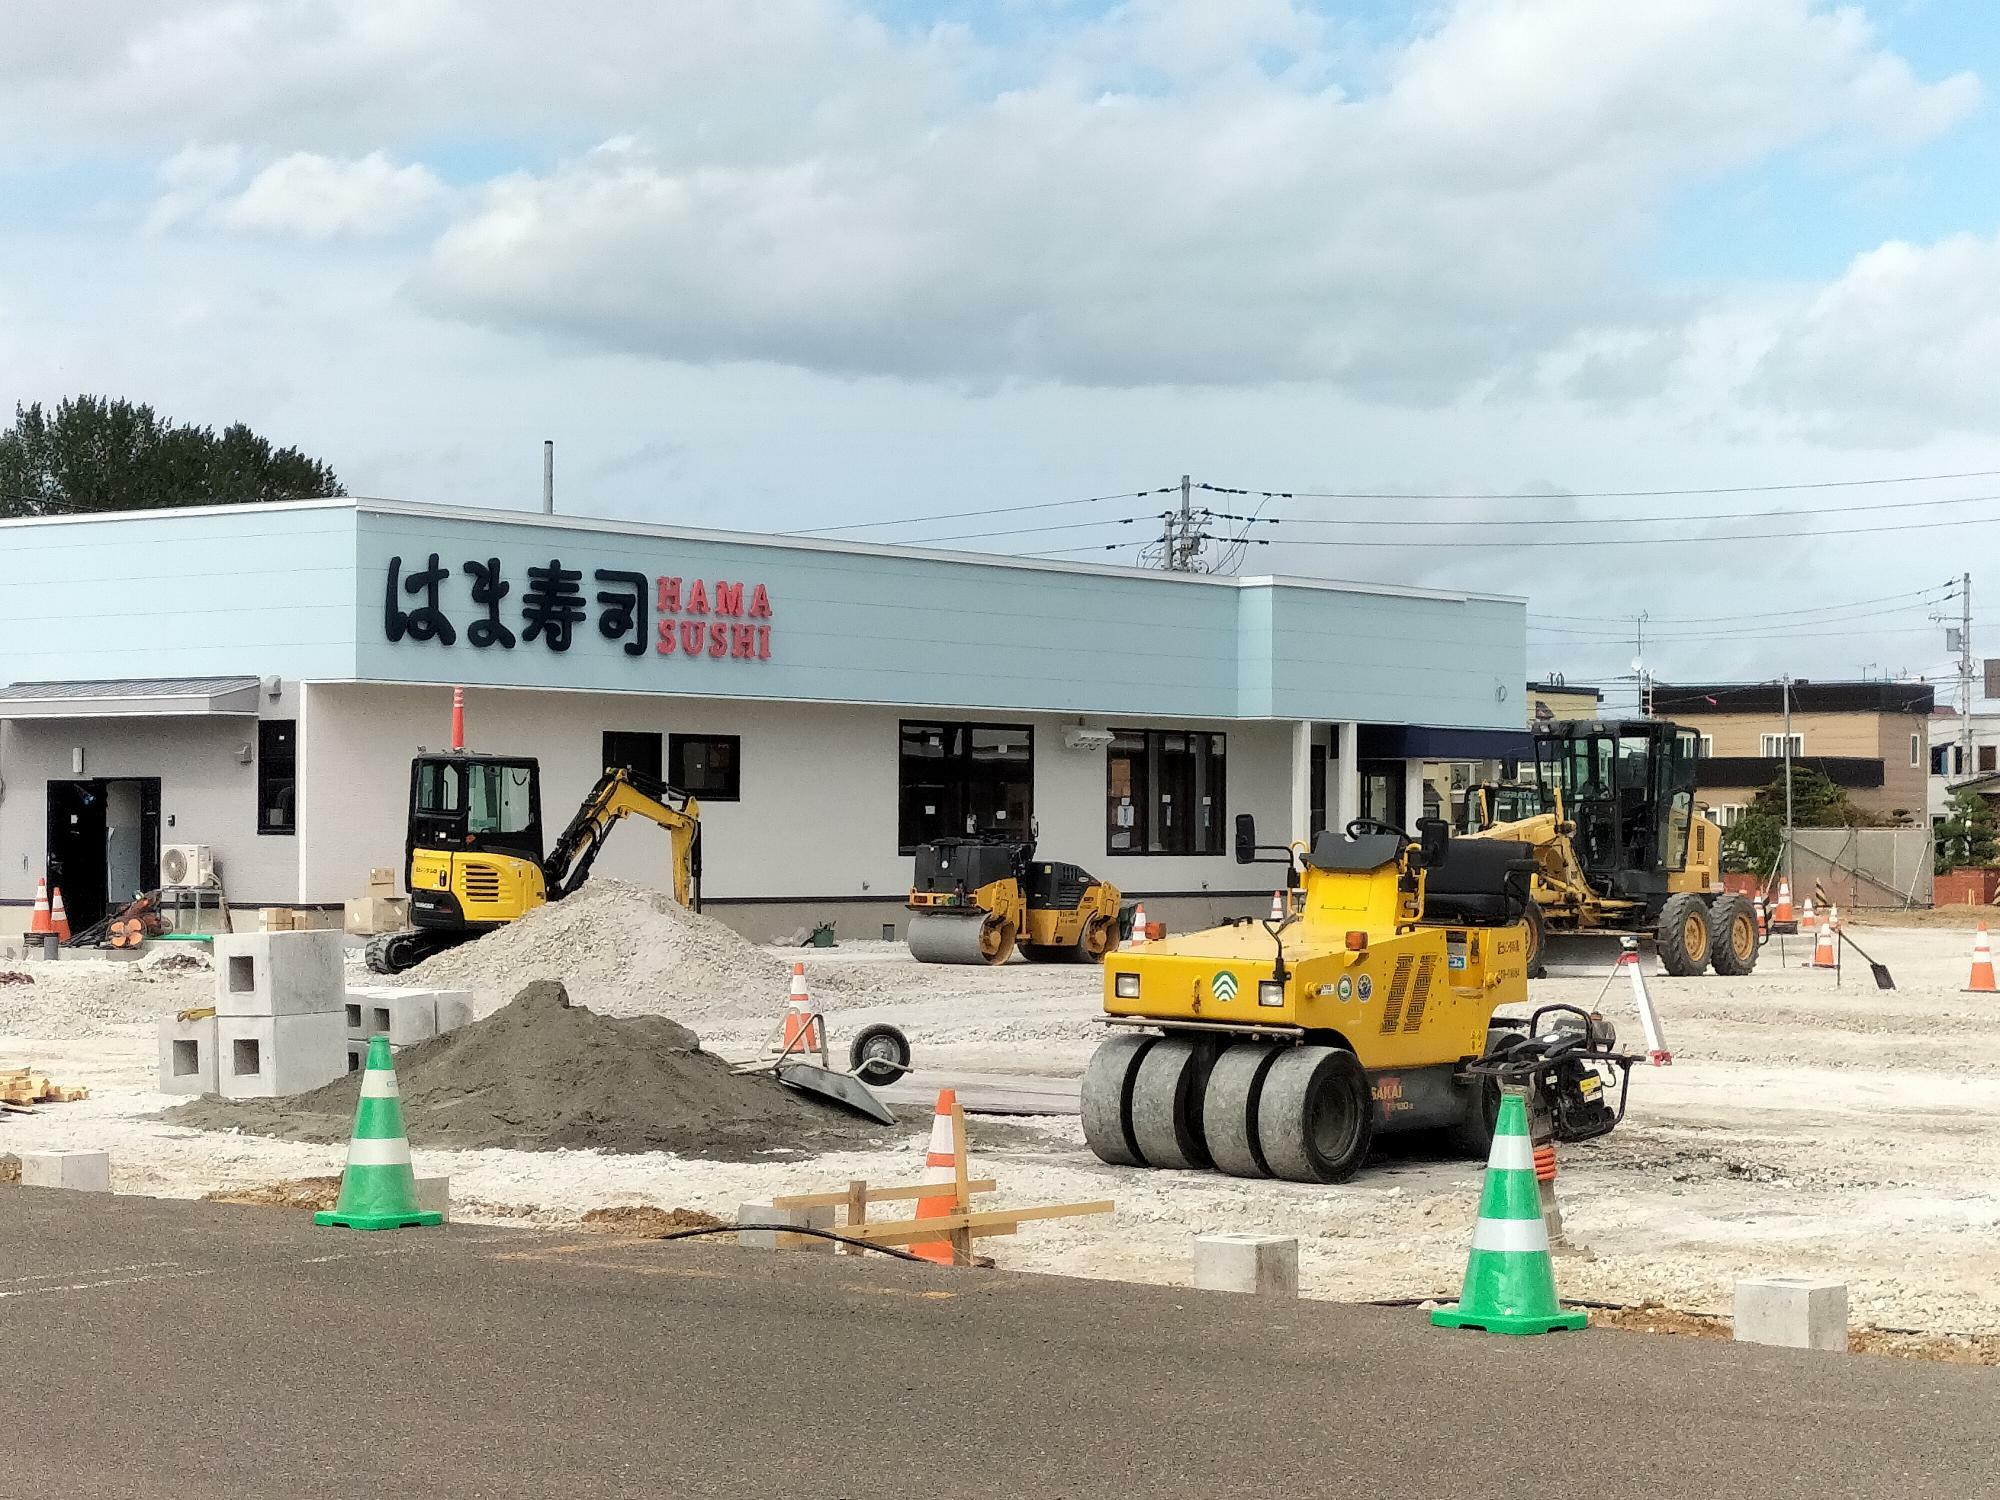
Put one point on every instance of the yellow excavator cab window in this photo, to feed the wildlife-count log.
(502, 799)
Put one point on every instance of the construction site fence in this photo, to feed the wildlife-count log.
(1863, 868)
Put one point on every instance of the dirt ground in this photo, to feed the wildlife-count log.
(1803, 1128)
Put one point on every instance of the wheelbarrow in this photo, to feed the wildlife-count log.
(878, 1055)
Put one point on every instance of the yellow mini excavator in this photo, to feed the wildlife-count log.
(1282, 1048)
(473, 858)
(972, 900)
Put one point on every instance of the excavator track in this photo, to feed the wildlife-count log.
(394, 952)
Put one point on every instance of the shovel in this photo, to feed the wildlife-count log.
(1883, 979)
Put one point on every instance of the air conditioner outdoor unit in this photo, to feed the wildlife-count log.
(186, 864)
(1076, 737)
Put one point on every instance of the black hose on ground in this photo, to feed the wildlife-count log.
(818, 1234)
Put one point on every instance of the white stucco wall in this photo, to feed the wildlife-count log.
(818, 814)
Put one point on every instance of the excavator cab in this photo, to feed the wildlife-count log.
(1628, 787)
(476, 802)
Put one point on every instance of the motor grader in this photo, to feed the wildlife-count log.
(1282, 1048)
(1619, 847)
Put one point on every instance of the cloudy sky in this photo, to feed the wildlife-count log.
(779, 264)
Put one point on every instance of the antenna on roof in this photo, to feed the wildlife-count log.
(548, 476)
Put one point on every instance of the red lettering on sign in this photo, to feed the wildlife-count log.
(743, 640)
(763, 643)
(760, 603)
(697, 598)
(665, 645)
(670, 596)
(728, 598)
(718, 640)
(690, 637)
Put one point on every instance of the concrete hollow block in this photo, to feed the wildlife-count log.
(1266, 1264)
(187, 1056)
(272, 1057)
(434, 1196)
(278, 973)
(80, 1171)
(772, 1222)
(1792, 1312)
(405, 1016)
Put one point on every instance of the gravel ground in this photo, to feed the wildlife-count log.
(1803, 1128)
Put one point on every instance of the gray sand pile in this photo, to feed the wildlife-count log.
(540, 1074)
(623, 950)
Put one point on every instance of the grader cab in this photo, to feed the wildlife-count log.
(1283, 1047)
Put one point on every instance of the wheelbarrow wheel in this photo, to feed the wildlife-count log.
(880, 1054)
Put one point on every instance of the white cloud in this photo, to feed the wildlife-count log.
(321, 196)
(1409, 244)
(190, 181)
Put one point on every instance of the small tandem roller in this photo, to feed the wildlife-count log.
(1282, 1048)
(973, 901)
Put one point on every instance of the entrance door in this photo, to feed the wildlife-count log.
(1382, 791)
(104, 843)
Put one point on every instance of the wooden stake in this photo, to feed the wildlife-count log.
(857, 1211)
(961, 1196)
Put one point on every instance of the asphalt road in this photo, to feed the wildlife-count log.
(162, 1348)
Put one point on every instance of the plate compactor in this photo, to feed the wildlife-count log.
(1282, 1048)
(973, 900)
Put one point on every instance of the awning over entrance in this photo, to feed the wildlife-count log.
(129, 697)
(1423, 742)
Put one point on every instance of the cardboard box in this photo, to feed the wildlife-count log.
(369, 915)
(277, 918)
(381, 881)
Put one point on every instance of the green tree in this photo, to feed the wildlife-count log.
(93, 453)
(1750, 845)
(1969, 835)
(1816, 802)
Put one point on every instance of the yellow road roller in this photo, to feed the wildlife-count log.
(1283, 1048)
(974, 900)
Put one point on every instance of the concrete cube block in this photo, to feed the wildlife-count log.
(778, 1220)
(80, 1171)
(434, 1196)
(454, 1009)
(272, 1057)
(1267, 1264)
(406, 1016)
(357, 1054)
(278, 973)
(187, 1056)
(1793, 1312)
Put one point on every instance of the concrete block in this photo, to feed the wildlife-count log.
(187, 1056)
(779, 1219)
(1793, 1312)
(272, 1057)
(454, 1009)
(278, 973)
(434, 1196)
(407, 1016)
(357, 1054)
(1266, 1264)
(81, 1171)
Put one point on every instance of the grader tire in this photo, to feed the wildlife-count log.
(1316, 1118)
(1538, 940)
(1683, 940)
(1166, 1103)
(1732, 923)
(1229, 1109)
(1107, 1099)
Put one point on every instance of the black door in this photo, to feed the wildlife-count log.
(76, 848)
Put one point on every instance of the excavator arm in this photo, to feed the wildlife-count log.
(620, 794)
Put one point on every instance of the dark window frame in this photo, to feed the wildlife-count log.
(1217, 831)
(955, 820)
(277, 768)
(731, 791)
(651, 765)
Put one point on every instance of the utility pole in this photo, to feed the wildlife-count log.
(1789, 871)
(1639, 664)
(1180, 533)
(548, 476)
(1965, 675)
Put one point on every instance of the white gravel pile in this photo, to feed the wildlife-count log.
(623, 950)
(88, 996)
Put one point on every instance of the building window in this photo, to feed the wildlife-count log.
(1774, 744)
(708, 765)
(959, 779)
(1986, 756)
(632, 750)
(1916, 750)
(277, 775)
(1164, 792)
(1729, 814)
(1707, 750)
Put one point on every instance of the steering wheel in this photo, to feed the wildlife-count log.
(1372, 825)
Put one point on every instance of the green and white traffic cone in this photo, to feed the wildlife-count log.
(1510, 1282)
(378, 1190)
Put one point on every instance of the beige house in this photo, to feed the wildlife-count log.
(1872, 739)
(1556, 699)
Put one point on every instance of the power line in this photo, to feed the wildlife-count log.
(1570, 521)
(1766, 613)
(965, 536)
(973, 515)
(1658, 541)
(1741, 629)
(1727, 489)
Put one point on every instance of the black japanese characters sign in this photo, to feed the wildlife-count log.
(672, 616)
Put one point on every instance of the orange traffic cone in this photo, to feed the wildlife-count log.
(1823, 955)
(805, 1028)
(1277, 906)
(942, 1166)
(1981, 982)
(58, 916)
(1138, 938)
(40, 922)
(1783, 919)
(1763, 928)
